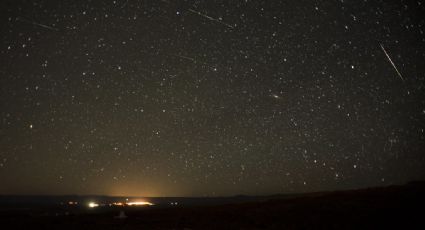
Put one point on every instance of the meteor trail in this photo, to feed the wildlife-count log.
(391, 61)
(211, 18)
(196, 61)
(185, 57)
(37, 24)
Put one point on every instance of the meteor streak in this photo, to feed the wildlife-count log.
(185, 57)
(196, 61)
(211, 18)
(391, 61)
(37, 24)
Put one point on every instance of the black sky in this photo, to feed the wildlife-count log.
(193, 98)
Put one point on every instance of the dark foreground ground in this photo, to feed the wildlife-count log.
(396, 207)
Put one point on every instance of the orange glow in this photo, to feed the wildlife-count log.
(139, 203)
(118, 204)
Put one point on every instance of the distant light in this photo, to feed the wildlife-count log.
(93, 205)
(139, 203)
(118, 204)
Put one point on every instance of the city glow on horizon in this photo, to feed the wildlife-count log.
(139, 203)
(134, 203)
(93, 205)
(117, 204)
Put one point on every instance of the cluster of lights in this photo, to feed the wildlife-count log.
(117, 204)
(139, 203)
(135, 203)
(93, 205)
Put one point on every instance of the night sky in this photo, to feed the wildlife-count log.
(209, 98)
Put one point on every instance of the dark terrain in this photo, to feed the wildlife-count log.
(394, 207)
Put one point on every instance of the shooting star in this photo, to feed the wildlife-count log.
(211, 18)
(196, 61)
(185, 57)
(37, 24)
(391, 61)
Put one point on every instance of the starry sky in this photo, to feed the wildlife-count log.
(210, 98)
